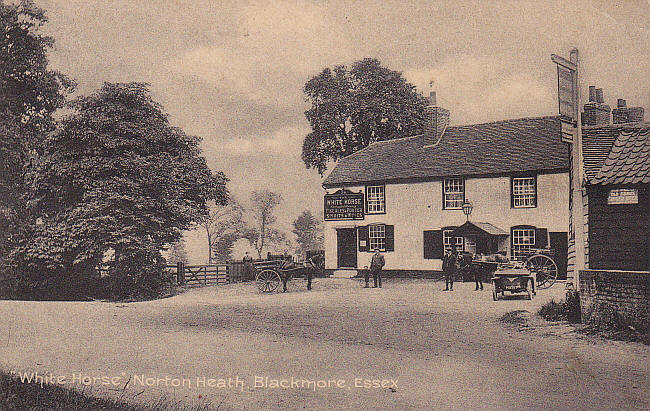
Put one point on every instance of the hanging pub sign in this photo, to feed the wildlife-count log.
(565, 92)
(344, 205)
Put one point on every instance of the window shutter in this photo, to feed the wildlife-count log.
(540, 238)
(390, 238)
(433, 247)
(512, 192)
(362, 234)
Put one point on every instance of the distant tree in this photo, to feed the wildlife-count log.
(119, 177)
(224, 227)
(177, 253)
(309, 232)
(264, 234)
(352, 108)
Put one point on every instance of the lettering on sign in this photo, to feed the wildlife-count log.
(344, 206)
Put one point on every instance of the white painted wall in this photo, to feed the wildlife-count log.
(416, 207)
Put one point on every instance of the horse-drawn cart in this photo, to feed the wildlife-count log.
(272, 273)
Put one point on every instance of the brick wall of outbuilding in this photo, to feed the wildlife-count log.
(605, 294)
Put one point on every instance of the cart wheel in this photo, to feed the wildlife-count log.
(545, 269)
(268, 281)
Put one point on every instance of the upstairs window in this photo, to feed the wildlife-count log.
(377, 237)
(524, 192)
(623, 196)
(453, 193)
(375, 199)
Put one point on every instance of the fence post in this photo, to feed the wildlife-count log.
(180, 273)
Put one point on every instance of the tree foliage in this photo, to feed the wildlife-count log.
(263, 204)
(177, 253)
(309, 232)
(29, 95)
(30, 91)
(351, 108)
(117, 176)
(224, 227)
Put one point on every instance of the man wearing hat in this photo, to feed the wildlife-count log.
(376, 264)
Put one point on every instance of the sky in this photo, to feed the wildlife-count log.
(232, 72)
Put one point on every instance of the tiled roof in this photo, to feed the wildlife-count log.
(490, 229)
(476, 228)
(628, 160)
(596, 144)
(527, 144)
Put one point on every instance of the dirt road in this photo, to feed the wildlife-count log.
(430, 349)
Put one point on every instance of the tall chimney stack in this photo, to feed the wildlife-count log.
(437, 120)
(596, 112)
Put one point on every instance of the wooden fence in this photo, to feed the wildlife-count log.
(208, 274)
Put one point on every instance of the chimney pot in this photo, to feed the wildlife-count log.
(599, 95)
(621, 103)
(432, 98)
(592, 93)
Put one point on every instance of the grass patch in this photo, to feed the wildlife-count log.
(16, 395)
(517, 317)
(566, 310)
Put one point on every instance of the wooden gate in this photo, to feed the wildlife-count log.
(203, 275)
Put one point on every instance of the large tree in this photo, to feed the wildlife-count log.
(351, 108)
(29, 95)
(118, 178)
(263, 204)
(309, 232)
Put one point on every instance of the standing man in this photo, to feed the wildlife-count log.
(376, 264)
(449, 265)
(248, 266)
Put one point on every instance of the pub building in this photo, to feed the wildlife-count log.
(499, 187)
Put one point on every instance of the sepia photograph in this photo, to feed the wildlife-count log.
(324, 205)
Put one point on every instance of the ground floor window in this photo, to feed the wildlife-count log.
(523, 241)
(448, 241)
(377, 236)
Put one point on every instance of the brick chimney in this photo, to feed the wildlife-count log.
(437, 120)
(596, 112)
(623, 114)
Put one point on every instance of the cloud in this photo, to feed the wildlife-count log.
(482, 88)
(281, 142)
(281, 44)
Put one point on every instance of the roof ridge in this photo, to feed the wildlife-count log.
(631, 124)
(507, 121)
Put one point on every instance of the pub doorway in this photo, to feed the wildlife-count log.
(346, 247)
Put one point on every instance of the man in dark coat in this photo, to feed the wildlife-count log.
(248, 267)
(449, 267)
(376, 264)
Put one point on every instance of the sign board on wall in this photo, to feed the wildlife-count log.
(568, 132)
(344, 205)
